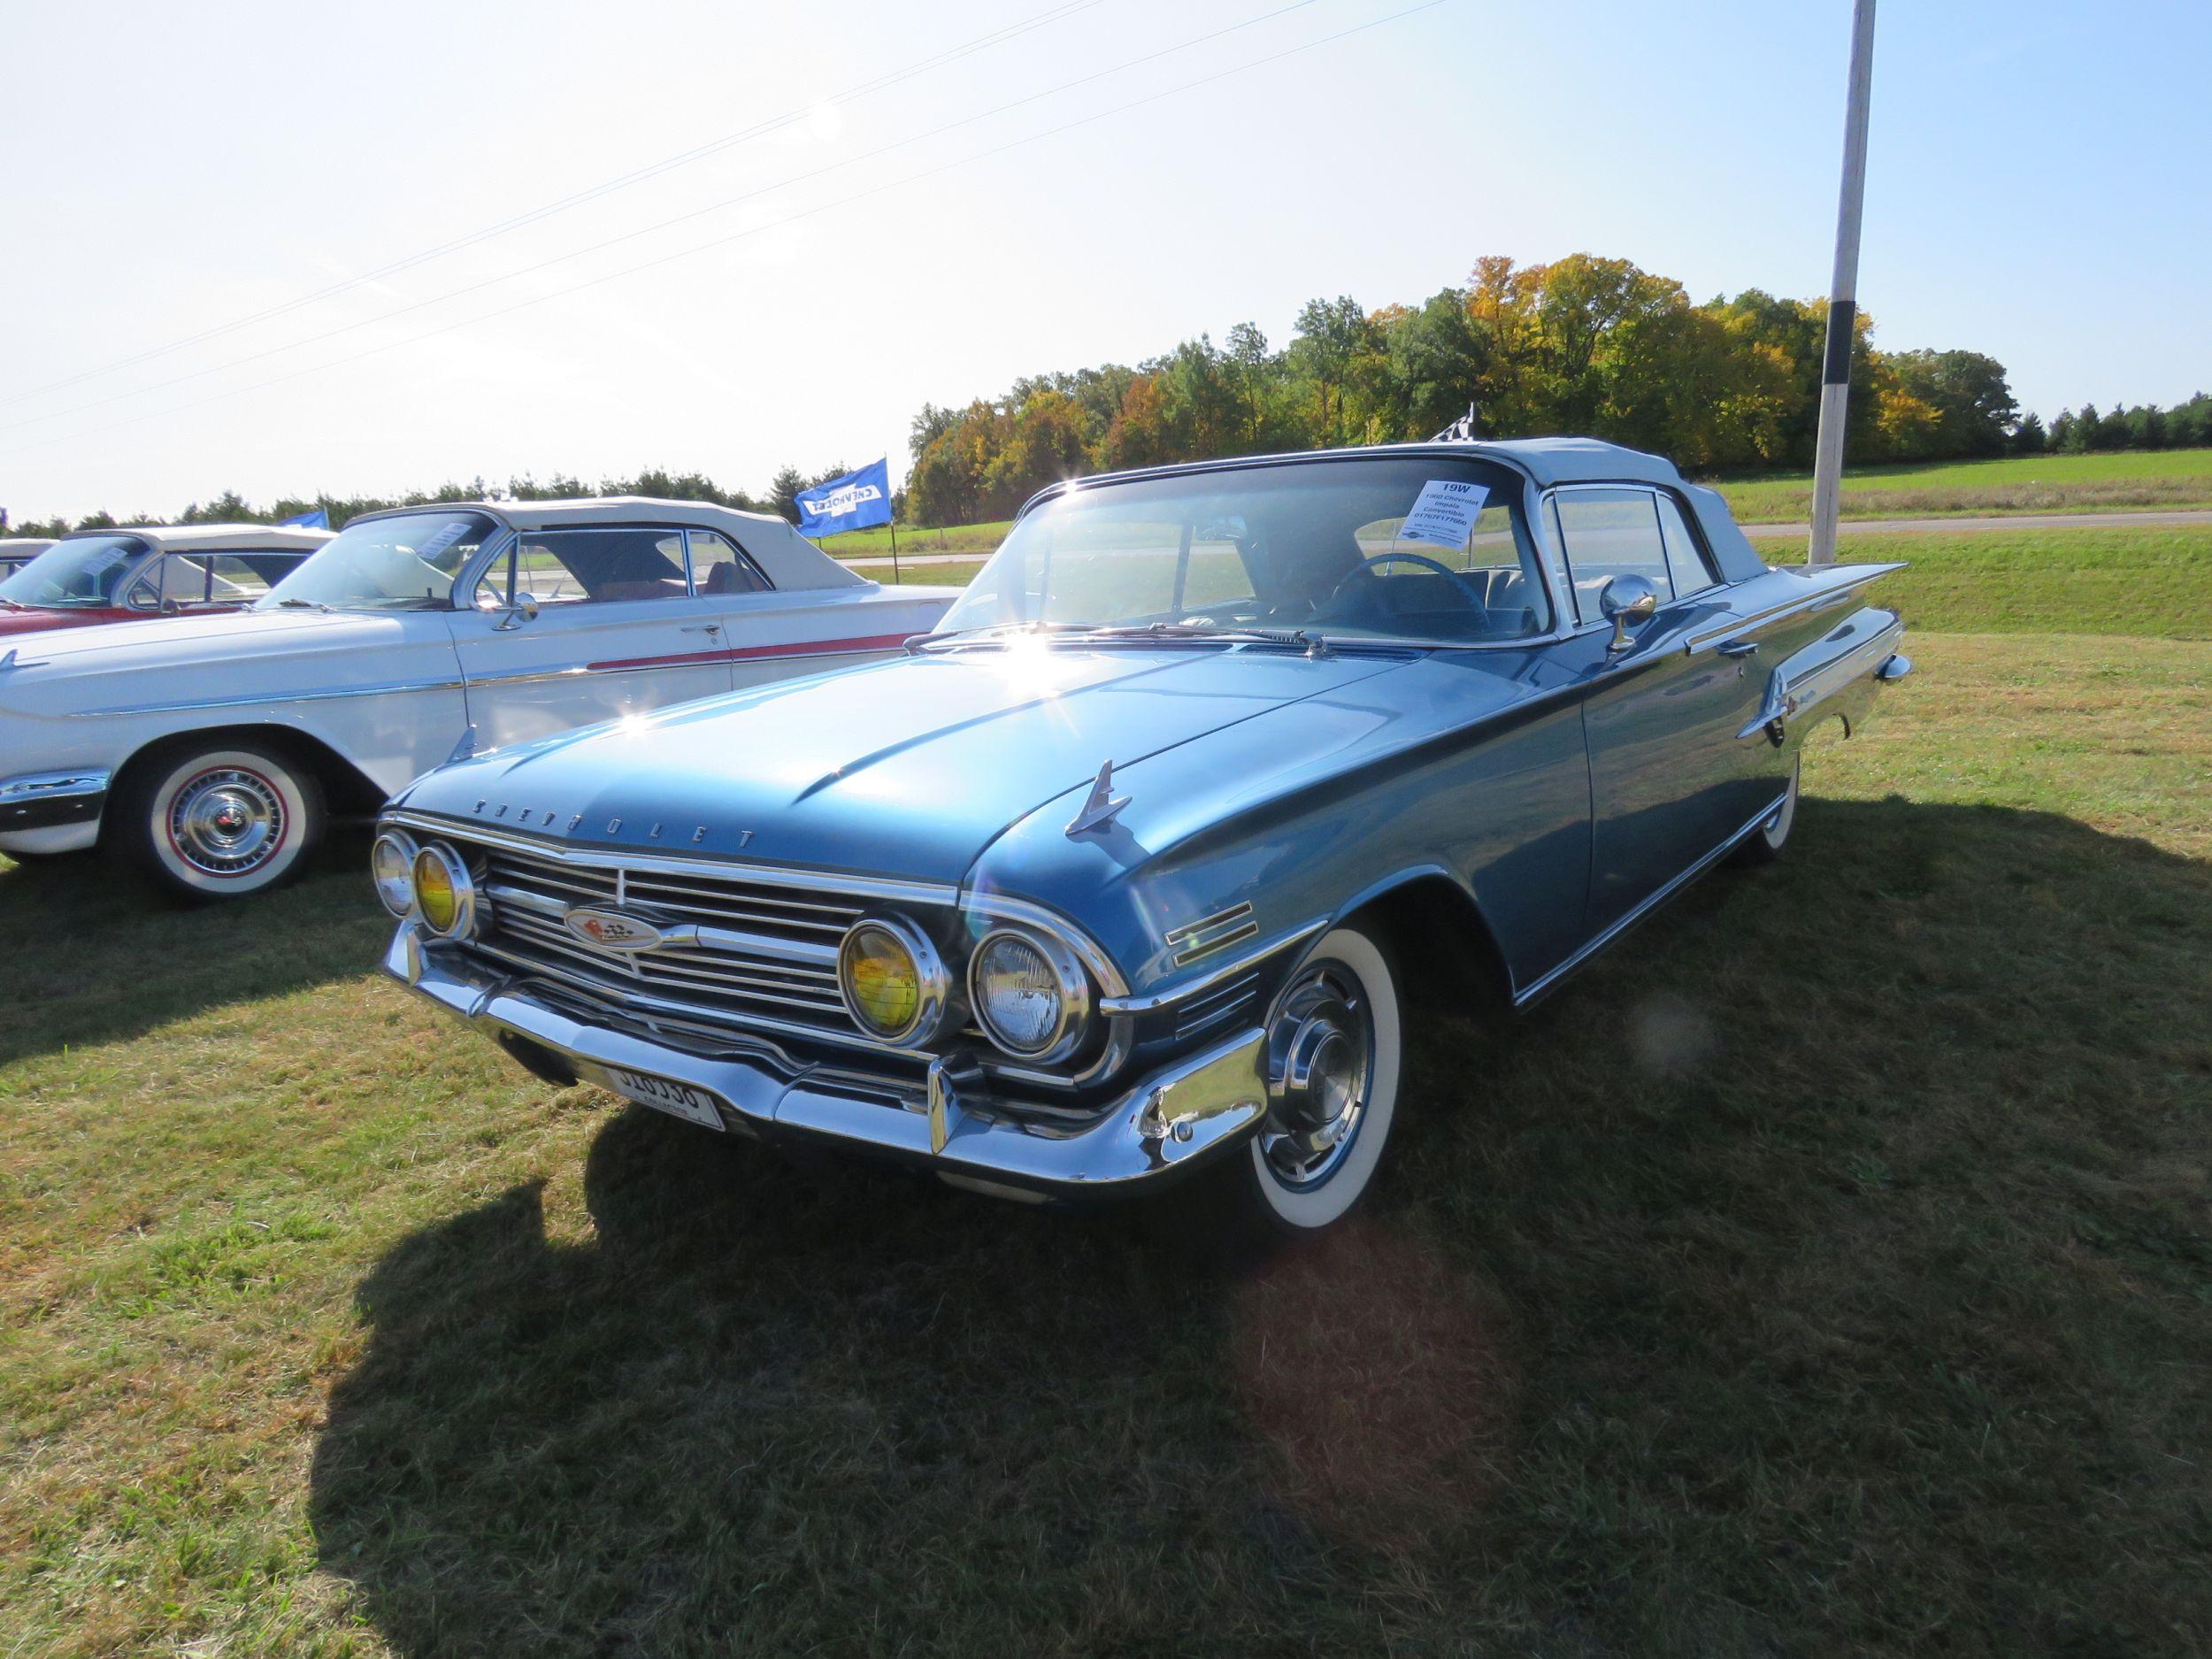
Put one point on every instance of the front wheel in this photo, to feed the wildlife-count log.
(221, 823)
(1335, 1051)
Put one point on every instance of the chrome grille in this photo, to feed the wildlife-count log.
(746, 949)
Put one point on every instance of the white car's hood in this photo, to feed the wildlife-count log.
(177, 659)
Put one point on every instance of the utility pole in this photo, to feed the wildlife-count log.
(1843, 289)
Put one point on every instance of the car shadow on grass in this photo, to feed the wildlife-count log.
(1826, 1268)
(99, 955)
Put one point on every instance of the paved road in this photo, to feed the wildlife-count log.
(1799, 531)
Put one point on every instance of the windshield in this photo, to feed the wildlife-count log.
(1427, 548)
(404, 563)
(84, 570)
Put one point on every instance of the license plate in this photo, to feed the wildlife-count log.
(678, 1100)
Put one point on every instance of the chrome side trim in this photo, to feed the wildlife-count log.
(388, 689)
(662, 863)
(1522, 999)
(1243, 962)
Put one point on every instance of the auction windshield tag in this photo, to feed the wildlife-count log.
(1444, 514)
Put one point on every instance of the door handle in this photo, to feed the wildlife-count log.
(701, 628)
(1739, 648)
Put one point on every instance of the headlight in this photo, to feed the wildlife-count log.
(445, 898)
(892, 979)
(392, 865)
(1030, 994)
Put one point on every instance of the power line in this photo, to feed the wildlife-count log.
(754, 230)
(646, 230)
(607, 188)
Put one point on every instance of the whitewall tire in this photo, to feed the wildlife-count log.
(221, 822)
(1336, 1054)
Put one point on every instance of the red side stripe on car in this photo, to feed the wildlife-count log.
(746, 653)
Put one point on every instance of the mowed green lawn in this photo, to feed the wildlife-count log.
(1827, 1271)
(2122, 481)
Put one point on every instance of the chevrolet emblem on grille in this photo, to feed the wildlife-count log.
(611, 930)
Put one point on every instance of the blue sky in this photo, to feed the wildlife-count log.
(2036, 191)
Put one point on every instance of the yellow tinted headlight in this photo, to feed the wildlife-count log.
(437, 893)
(893, 982)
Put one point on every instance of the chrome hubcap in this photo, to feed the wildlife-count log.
(228, 822)
(1321, 1057)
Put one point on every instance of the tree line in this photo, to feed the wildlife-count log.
(232, 508)
(1585, 345)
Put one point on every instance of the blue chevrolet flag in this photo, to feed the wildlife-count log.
(854, 502)
(316, 520)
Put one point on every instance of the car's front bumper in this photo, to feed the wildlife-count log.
(1183, 1114)
(52, 812)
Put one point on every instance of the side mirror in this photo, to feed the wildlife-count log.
(1623, 600)
(524, 609)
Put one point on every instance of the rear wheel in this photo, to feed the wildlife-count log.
(1764, 844)
(220, 822)
(1335, 1050)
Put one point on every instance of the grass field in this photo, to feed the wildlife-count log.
(1828, 1271)
(2037, 483)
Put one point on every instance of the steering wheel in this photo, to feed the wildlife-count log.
(1365, 566)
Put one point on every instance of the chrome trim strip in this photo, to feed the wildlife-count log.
(388, 689)
(662, 863)
(1209, 934)
(1522, 999)
(1244, 962)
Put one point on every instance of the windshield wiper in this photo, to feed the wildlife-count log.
(289, 603)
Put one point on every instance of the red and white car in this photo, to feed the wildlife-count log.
(146, 571)
(210, 750)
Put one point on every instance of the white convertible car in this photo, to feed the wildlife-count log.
(212, 750)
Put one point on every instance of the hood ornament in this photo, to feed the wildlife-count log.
(1102, 807)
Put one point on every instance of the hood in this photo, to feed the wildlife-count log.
(120, 665)
(907, 768)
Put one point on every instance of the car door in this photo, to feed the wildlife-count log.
(1670, 779)
(581, 623)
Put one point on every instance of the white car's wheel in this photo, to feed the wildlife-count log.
(1335, 1052)
(1764, 844)
(221, 823)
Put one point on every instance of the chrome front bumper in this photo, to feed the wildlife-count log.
(45, 799)
(1182, 1115)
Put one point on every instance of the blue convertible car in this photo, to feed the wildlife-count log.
(1128, 870)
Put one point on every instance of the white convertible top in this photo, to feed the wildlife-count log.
(196, 538)
(787, 558)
